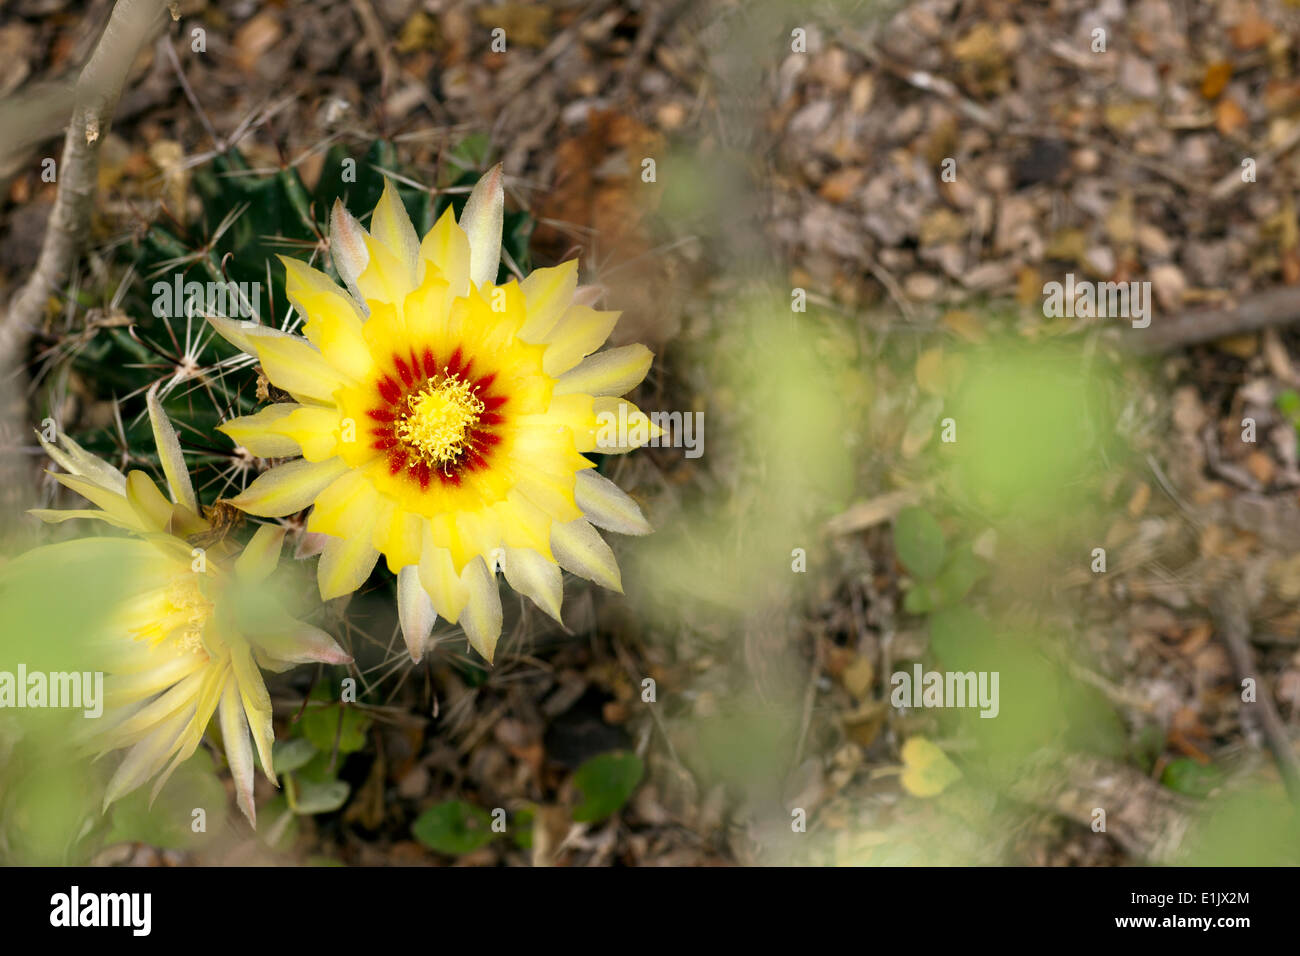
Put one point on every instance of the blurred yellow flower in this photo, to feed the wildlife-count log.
(442, 419)
(187, 638)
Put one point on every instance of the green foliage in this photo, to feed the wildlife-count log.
(943, 576)
(328, 724)
(919, 541)
(1187, 776)
(310, 760)
(169, 822)
(606, 782)
(1257, 826)
(453, 827)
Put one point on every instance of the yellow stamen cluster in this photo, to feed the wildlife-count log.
(439, 419)
(187, 610)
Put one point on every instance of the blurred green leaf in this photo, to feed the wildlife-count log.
(1187, 776)
(169, 821)
(919, 542)
(326, 720)
(290, 755)
(453, 827)
(307, 797)
(606, 782)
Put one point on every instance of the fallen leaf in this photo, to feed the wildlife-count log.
(1216, 79)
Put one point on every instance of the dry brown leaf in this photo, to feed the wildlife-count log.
(1229, 117)
(1216, 79)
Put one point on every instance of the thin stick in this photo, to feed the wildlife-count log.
(130, 26)
(1263, 310)
(1230, 616)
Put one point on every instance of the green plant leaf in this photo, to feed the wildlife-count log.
(308, 797)
(453, 827)
(290, 755)
(606, 782)
(321, 724)
(919, 542)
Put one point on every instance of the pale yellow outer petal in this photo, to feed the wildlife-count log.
(482, 219)
(287, 489)
(607, 506)
(414, 611)
(344, 565)
(257, 705)
(348, 248)
(535, 577)
(239, 749)
(481, 618)
(170, 455)
(147, 757)
(262, 553)
(620, 427)
(114, 504)
(289, 361)
(611, 372)
(581, 550)
(77, 461)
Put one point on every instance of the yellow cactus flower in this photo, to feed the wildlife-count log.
(442, 419)
(186, 640)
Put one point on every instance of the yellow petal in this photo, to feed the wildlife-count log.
(313, 428)
(391, 226)
(333, 321)
(291, 363)
(114, 504)
(447, 247)
(255, 433)
(621, 426)
(149, 503)
(548, 294)
(386, 277)
(580, 332)
(440, 580)
(169, 454)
